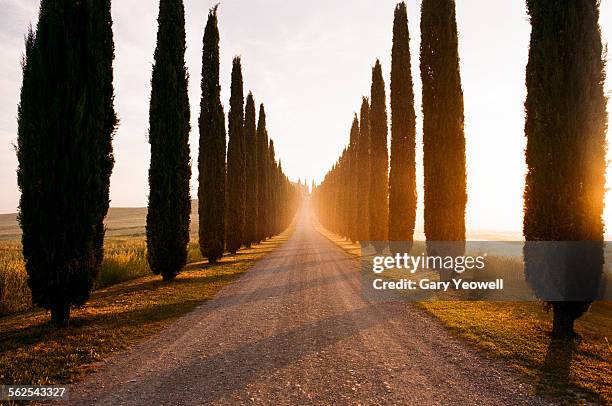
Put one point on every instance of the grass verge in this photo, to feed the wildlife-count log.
(34, 352)
(518, 332)
(125, 258)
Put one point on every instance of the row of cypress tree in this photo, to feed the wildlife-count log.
(386, 205)
(566, 146)
(66, 122)
(249, 198)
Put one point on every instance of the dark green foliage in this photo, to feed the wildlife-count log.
(66, 121)
(250, 138)
(445, 193)
(363, 182)
(170, 171)
(402, 173)
(566, 146)
(263, 191)
(379, 161)
(236, 163)
(211, 161)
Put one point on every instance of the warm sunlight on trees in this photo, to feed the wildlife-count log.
(170, 171)
(566, 147)
(402, 173)
(353, 179)
(444, 163)
(263, 191)
(66, 121)
(363, 186)
(379, 161)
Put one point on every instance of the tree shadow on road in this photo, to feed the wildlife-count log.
(248, 362)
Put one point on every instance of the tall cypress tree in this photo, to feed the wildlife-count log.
(363, 181)
(566, 147)
(170, 171)
(250, 138)
(211, 161)
(280, 203)
(236, 163)
(445, 193)
(272, 196)
(66, 122)
(343, 196)
(402, 174)
(379, 161)
(262, 175)
(353, 180)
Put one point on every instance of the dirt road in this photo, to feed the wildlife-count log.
(296, 330)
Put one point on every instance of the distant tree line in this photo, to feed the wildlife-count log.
(66, 122)
(565, 127)
(366, 196)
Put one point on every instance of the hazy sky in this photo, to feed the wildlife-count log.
(309, 62)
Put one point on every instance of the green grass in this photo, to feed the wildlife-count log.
(519, 333)
(32, 351)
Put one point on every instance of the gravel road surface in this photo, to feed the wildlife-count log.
(296, 330)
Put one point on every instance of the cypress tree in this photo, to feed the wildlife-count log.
(402, 174)
(363, 180)
(342, 194)
(379, 161)
(66, 121)
(445, 193)
(262, 175)
(353, 180)
(272, 191)
(236, 163)
(170, 171)
(565, 125)
(250, 137)
(211, 161)
(280, 202)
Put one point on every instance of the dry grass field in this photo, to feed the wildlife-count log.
(124, 259)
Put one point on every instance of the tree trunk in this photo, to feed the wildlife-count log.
(563, 323)
(60, 315)
(168, 276)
